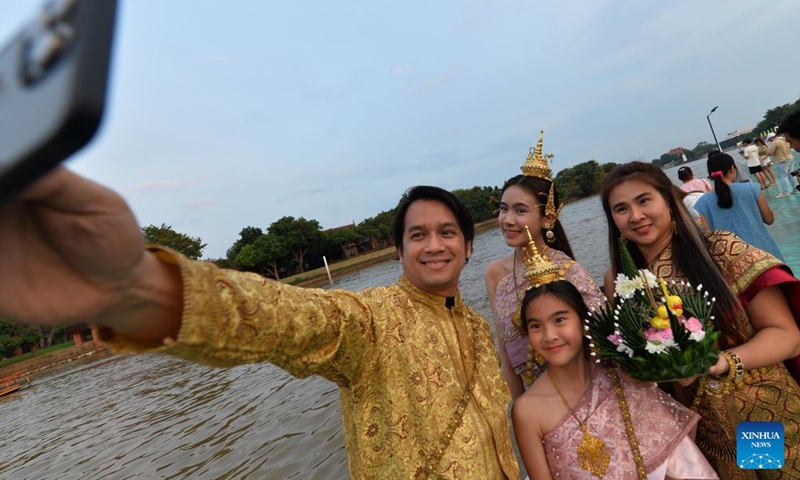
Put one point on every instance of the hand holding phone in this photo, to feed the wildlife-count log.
(53, 78)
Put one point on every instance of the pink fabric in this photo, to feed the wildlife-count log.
(507, 302)
(697, 185)
(661, 425)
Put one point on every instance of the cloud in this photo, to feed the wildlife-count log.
(156, 186)
(402, 70)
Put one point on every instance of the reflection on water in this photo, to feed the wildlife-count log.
(150, 416)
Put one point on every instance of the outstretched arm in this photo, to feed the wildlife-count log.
(71, 250)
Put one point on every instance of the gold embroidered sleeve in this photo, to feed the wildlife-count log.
(232, 318)
(741, 264)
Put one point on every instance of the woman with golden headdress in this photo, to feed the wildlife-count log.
(756, 310)
(529, 200)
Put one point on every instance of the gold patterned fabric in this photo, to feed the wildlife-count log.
(768, 394)
(400, 357)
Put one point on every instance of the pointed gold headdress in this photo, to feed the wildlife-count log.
(536, 166)
(539, 269)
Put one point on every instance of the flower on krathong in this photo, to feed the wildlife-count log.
(659, 341)
(616, 339)
(696, 328)
(656, 332)
(626, 287)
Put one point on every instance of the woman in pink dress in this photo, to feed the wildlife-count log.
(529, 200)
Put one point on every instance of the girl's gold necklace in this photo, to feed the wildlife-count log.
(593, 454)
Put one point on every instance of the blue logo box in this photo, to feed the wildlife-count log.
(759, 445)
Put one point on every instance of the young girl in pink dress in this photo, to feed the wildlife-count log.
(580, 420)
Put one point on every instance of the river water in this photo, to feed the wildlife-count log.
(149, 416)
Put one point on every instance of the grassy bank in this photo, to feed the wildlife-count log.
(38, 353)
(318, 277)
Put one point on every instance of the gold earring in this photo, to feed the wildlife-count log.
(549, 236)
(534, 366)
(624, 240)
(674, 227)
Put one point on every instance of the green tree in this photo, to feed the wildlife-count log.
(378, 227)
(774, 116)
(265, 256)
(299, 236)
(702, 149)
(480, 201)
(247, 236)
(192, 247)
(581, 180)
(15, 335)
(336, 239)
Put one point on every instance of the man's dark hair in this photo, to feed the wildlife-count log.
(790, 125)
(436, 194)
(747, 141)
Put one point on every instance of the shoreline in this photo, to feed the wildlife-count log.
(318, 277)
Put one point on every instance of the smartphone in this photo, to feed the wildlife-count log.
(53, 78)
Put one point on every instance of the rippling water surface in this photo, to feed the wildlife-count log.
(148, 416)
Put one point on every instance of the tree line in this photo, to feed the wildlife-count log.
(770, 121)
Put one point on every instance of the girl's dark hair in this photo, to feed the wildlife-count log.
(685, 174)
(721, 163)
(760, 141)
(691, 254)
(539, 188)
(566, 292)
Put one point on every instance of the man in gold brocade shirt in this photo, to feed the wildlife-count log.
(418, 375)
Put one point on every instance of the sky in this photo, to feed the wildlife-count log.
(223, 115)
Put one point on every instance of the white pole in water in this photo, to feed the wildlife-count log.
(330, 279)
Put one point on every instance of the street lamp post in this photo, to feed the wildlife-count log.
(708, 117)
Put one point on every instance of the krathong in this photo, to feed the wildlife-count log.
(656, 332)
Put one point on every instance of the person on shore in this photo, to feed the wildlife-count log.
(750, 154)
(784, 165)
(691, 184)
(790, 129)
(421, 391)
(529, 201)
(694, 188)
(741, 170)
(756, 310)
(737, 207)
(637, 431)
(766, 160)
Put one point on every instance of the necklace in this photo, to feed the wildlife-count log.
(593, 454)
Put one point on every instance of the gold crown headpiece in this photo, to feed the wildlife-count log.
(536, 166)
(539, 269)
